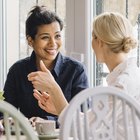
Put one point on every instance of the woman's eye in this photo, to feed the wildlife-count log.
(58, 36)
(45, 37)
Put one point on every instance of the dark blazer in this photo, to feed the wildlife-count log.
(68, 73)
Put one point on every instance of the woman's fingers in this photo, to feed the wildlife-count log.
(37, 94)
(45, 95)
(41, 105)
(45, 102)
(31, 76)
(41, 97)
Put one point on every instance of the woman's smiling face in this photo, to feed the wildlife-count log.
(48, 41)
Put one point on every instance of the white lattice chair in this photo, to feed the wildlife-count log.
(21, 124)
(101, 113)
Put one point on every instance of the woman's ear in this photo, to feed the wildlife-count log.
(30, 41)
(100, 43)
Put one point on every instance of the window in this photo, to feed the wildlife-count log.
(8, 36)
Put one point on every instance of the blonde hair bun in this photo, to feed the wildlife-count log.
(128, 43)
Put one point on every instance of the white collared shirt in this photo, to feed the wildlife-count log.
(127, 77)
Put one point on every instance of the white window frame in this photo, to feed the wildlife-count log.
(9, 36)
(3, 44)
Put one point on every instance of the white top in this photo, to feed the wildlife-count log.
(127, 77)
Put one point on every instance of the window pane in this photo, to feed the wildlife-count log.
(24, 9)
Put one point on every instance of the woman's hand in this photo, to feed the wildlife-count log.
(45, 102)
(51, 98)
(42, 80)
(33, 121)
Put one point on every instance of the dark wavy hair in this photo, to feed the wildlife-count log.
(38, 16)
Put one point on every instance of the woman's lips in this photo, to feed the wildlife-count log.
(51, 51)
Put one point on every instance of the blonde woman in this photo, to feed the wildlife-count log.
(112, 41)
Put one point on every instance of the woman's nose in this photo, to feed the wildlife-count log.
(52, 42)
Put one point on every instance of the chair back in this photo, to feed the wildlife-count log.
(21, 124)
(101, 113)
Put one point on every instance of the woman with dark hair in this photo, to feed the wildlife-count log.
(43, 33)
